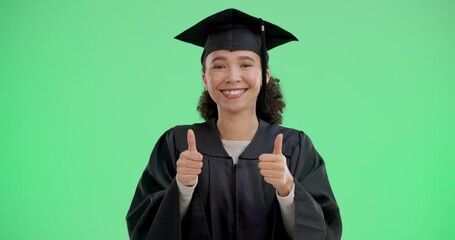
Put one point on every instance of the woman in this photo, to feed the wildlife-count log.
(239, 175)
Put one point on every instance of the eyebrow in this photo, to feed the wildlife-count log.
(221, 58)
(246, 58)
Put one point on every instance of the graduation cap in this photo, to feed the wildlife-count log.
(234, 30)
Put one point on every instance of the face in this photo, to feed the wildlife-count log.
(233, 80)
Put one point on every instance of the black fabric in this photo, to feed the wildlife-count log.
(233, 201)
(232, 29)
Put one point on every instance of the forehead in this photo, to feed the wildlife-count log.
(231, 55)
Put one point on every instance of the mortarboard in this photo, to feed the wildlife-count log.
(234, 30)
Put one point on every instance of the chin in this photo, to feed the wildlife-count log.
(233, 110)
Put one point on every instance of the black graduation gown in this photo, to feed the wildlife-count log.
(232, 201)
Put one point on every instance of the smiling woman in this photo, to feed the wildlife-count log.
(239, 175)
(233, 80)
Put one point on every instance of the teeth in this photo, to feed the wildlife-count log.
(233, 92)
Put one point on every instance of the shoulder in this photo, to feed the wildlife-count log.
(292, 138)
(273, 128)
(177, 135)
(180, 130)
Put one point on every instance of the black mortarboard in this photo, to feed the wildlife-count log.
(234, 30)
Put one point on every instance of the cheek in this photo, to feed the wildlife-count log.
(213, 80)
(255, 79)
(211, 86)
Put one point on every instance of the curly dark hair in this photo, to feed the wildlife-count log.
(271, 114)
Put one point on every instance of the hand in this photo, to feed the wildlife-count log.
(274, 169)
(189, 164)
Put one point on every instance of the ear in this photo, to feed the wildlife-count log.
(204, 79)
(267, 73)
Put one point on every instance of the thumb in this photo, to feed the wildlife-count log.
(191, 141)
(278, 144)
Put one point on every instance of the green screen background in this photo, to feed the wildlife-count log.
(87, 87)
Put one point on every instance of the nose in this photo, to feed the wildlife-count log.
(234, 75)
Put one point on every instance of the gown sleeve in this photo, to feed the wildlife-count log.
(154, 210)
(317, 215)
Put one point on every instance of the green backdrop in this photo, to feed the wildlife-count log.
(87, 87)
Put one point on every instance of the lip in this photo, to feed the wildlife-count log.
(233, 93)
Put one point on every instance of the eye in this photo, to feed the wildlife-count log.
(218, 66)
(246, 65)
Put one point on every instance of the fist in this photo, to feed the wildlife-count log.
(189, 164)
(273, 168)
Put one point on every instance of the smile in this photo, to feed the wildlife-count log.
(233, 93)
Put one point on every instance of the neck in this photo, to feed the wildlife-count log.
(237, 127)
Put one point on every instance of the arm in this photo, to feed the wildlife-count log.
(317, 215)
(156, 197)
(185, 195)
(287, 208)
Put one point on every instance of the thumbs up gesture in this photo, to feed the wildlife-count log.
(274, 169)
(189, 164)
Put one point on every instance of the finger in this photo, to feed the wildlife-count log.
(270, 166)
(189, 164)
(278, 144)
(192, 156)
(268, 157)
(188, 177)
(191, 141)
(190, 171)
(272, 174)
